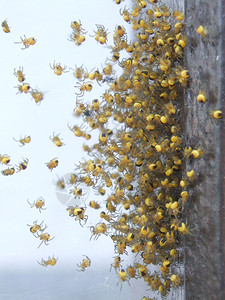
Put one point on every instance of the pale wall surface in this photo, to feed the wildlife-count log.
(204, 59)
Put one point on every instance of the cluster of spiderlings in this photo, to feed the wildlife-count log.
(137, 167)
(38, 231)
(78, 33)
(5, 160)
(36, 94)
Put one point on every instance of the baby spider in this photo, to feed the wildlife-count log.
(175, 279)
(23, 141)
(83, 87)
(19, 74)
(49, 262)
(72, 179)
(116, 263)
(216, 114)
(39, 203)
(5, 26)
(100, 35)
(202, 31)
(36, 227)
(77, 130)
(56, 140)
(44, 238)
(52, 164)
(80, 216)
(77, 192)
(71, 209)
(23, 88)
(37, 95)
(78, 72)
(77, 27)
(122, 277)
(61, 184)
(94, 204)
(4, 159)
(27, 42)
(77, 38)
(86, 262)
(7, 172)
(58, 69)
(96, 75)
(97, 230)
(78, 213)
(126, 14)
(22, 165)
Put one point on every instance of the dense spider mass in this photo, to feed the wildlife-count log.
(136, 164)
